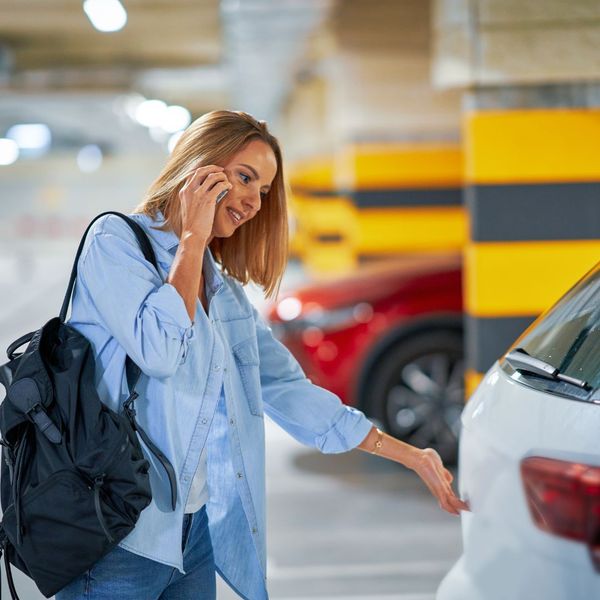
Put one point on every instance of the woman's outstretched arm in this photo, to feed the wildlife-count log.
(427, 464)
(316, 417)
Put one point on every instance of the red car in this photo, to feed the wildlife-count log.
(388, 340)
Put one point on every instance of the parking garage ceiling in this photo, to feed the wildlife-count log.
(202, 54)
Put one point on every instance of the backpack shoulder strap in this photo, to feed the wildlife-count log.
(143, 241)
(133, 372)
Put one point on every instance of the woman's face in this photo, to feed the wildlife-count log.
(251, 172)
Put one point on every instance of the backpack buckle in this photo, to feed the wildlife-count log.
(38, 416)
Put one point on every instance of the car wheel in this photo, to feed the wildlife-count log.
(417, 391)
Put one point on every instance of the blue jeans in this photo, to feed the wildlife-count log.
(127, 576)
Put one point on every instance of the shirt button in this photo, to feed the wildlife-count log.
(239, 475)
(254, 530)
(204, 421)
(216, 367)
(185, 478)
(231, 421)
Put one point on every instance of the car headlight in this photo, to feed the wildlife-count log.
(324, 319)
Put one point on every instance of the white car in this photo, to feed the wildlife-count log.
(529, 463)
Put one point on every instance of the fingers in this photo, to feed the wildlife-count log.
(211, 180)
(438, 480)
(221, 188)
(195, 179)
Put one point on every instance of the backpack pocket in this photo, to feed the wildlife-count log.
(60, 521)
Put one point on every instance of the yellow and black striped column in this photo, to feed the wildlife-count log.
(324, 219)
(408, 197)
(532, 189)
(372, 200)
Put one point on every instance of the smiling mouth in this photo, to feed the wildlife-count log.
(235, 216)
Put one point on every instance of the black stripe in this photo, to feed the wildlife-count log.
(558, 211)
(550, 95)
(487, 339)
(394, 197)
(316, 192)
(328, 238)
(407, 197)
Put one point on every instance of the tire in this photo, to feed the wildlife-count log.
(416, 391)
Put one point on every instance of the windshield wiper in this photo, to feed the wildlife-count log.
(520, 361)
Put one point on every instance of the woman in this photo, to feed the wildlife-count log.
(211, 366)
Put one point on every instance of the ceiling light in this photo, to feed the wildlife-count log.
(89, 158)
(9, 151)
(105, 15)
(127, 104)
(30, 136)
(176, 118)
(150, 113)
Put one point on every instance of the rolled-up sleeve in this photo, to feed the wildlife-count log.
(311, 414)
(148, 318)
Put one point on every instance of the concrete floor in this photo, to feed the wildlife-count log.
(349, 526)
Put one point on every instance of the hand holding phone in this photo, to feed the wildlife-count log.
(199, 196)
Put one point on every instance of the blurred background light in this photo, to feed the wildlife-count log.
(33, 139)
(9, 151)
(158, 134)
(150, 113)
(89, 158)
(289, 308)
(105, 15)
(176, 118)
(173, 140)
(127, 104)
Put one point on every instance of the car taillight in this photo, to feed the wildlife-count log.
(564, 499)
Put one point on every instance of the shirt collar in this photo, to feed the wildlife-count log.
(170, 242)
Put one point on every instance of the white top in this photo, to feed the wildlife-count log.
(198, 495)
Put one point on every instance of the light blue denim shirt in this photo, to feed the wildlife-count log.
(210, 381)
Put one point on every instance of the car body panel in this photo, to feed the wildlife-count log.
(407, 294)
(506, 556)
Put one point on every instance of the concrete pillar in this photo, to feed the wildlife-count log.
(390, 139)
(531, 125)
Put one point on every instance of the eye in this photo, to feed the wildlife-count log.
(245, 178)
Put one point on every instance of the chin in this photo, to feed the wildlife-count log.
(224, 232)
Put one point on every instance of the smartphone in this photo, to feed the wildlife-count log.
(221, 195)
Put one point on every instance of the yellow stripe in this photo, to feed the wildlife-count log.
(523, 278)
(411, 229)
(532, 146)
(472, 380)
(330, 215)
(316, 173)
(376, 231)
(314, 216)
(381, 166)
(322, 260)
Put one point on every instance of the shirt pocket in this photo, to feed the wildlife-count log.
(247, 362)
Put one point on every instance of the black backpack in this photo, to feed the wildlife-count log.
(73, 477)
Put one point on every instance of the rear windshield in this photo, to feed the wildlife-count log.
(568, 335)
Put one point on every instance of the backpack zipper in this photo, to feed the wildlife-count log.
(98, 480)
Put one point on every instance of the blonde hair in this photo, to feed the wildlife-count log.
(258, 250)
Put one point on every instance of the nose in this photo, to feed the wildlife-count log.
(252, 202)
